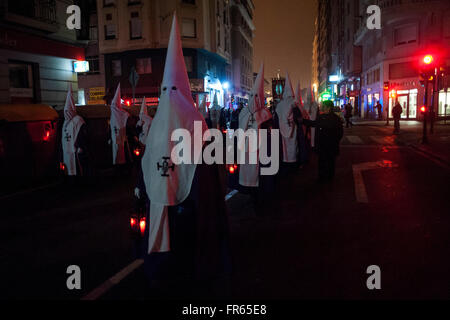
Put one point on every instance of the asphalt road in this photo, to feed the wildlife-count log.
(318, 243)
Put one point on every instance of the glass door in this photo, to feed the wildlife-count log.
(403, 100)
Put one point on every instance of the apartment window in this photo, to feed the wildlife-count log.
(188, 28)
(135, 26)
(144, 65)
(94, 66)
(109, 17)
(189, 61)
(405, 35)
(110, 31)
(116, 66)
(107, 3)
(402, 70)
(20, 75)
(93, 32)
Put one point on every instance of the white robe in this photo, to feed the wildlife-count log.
(118, 124)
(71, 128)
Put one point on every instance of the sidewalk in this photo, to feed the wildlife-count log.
(411, 133)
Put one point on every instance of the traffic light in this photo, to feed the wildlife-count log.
(423, 109)
(427, 68)
(386, 86)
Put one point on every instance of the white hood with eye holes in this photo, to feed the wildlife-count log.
(71, 127)
(251, 117)
(145, 121)
(168, 184)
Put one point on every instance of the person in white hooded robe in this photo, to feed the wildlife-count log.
(256, 116)
(203, 109)
(215, 112)
(118, 123)
(74, 139)
(188, 235)
(284, 120)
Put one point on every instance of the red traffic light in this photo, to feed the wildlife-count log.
(423, 109)
(428, 59)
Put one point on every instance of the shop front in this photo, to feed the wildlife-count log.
(444, 101)
(407, 100)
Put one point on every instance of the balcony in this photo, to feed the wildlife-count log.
(36, 14)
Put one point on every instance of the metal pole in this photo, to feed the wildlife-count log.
(424, 137)
(433, 99)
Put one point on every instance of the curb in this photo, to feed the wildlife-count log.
(435, 156)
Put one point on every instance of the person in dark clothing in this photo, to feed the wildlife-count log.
(396, 113)
(348, 115)
(330, 133)
(234, 122)
(379, 107)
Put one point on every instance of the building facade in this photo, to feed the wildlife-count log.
(391, 55)
(37, 52)
(242, 34)
(135, 33)
(355, 62)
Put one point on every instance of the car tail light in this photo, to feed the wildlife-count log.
(133, 223)
(142, 225)
(46, 135)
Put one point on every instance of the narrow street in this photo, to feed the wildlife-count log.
(318, 244)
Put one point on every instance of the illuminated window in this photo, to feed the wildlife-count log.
(144, 65)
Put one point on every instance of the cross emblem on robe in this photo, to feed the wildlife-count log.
(116, 131)
(165, 166)
(252, 120)
(67, 136)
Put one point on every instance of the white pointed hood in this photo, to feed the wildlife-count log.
(118, 123)
(299, 100)
(203, 108)
(69, 108)
(71, 127)
(285, 109)
(215, 111)
(256, 111)
(168, 184)
(145, 121)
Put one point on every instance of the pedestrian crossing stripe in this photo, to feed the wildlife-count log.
(354, 139)
(383, 140)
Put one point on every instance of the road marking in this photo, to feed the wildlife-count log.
(360, 187)
(355, 139)
(111, 282)
(425, 154)
(122, 274)
(384, 140)
(230, 195)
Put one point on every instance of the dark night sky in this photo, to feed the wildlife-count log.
(283, 38)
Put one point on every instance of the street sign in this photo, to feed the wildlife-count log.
(134, 77)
